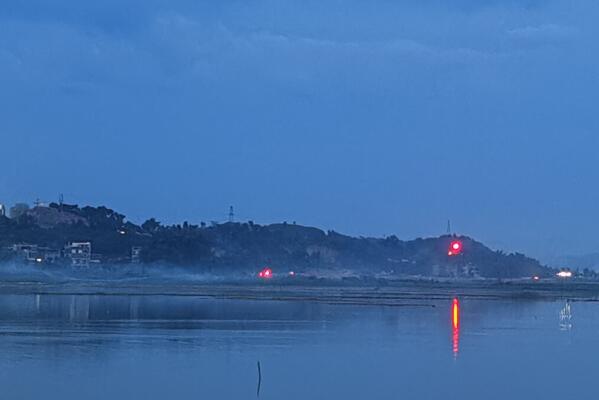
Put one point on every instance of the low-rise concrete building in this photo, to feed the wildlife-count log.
(80, 253)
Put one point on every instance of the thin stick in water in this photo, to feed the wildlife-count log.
(259, 380)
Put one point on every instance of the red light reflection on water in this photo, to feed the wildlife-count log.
(455, 323)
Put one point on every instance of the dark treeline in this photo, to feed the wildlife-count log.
(248, 246)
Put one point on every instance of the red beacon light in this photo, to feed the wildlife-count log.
(455, 248)
(266, 273)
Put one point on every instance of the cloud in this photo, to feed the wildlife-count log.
(550, 32)
(360, 89)
(146, 42)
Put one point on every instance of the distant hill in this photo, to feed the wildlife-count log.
(248, 246)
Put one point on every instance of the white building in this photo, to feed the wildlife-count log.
(80, 253)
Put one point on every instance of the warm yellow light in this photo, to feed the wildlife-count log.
(456, 313)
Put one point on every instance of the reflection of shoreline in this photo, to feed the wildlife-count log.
(565, 317)
(410, 294)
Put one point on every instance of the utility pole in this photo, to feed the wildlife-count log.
(231, 214)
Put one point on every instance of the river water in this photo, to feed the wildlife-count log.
(161, 347)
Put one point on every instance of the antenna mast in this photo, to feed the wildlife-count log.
(231, 214)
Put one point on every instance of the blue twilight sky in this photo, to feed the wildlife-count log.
(367, 117)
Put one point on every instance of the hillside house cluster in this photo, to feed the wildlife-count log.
(76, 254)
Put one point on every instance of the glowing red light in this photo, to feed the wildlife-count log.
(455, 248)
(266, 273)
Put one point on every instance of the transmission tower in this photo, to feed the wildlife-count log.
(231, 214)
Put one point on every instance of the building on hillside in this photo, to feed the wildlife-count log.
(34, 254)
(48, 256)
(135, 255)
(27, 252)
(80, 253)
(18, 210)
(2, 210)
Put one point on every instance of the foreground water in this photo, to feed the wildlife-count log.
(160, 347)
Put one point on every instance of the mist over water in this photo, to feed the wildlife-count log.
(157, 347)
(11, 272)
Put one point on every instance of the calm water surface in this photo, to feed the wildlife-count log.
(135, 347)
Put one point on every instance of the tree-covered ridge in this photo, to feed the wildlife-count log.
(247, 246)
